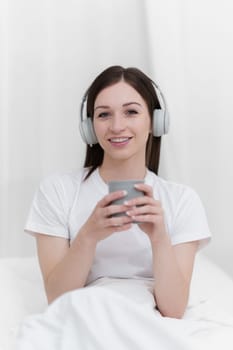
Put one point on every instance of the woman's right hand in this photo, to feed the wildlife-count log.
(101, 223)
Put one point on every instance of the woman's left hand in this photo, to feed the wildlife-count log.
(148, 212)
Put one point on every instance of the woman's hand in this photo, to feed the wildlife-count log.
(148, 212)
(101, 223)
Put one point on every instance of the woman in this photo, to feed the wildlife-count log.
(80, 240)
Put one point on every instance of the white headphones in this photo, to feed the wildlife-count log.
(160, 120)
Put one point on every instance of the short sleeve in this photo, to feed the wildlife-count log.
(190, 220)
(49, 210)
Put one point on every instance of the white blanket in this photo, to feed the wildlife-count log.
(120, 314)
(112, 314)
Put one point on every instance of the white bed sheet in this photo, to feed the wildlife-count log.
(207, 323)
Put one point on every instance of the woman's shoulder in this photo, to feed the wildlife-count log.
(69, 180)
(171, 189)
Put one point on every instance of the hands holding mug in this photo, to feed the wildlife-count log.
(128, 202)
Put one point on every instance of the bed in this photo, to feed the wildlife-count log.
(207, 323)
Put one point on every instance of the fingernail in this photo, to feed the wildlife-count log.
(124, 192)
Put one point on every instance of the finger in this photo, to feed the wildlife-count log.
(145, 200)
(114, 209)
(145, 209)
(118, 224)
(106, 200)
(117, 221)
(144, 218)
(148, 190)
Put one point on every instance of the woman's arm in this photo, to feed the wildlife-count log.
(172, 265)
(66, 267)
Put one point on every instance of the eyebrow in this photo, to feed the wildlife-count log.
(101, 107)
(131, 103)
(124, 105)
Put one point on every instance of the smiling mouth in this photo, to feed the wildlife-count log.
(119, 139)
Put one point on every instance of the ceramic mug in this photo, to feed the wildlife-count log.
(125, 185)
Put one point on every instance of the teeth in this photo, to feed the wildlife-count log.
(119, 139)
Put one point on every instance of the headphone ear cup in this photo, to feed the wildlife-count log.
(87, 132)
(158, 123)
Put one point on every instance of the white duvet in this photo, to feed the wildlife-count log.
(112, 313)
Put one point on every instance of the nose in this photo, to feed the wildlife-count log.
(118, 124)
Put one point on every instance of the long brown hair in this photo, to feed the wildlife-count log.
(144, 86)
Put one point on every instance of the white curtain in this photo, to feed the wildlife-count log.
(49, 53)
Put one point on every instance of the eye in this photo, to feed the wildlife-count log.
(131, 112)
(103, 115)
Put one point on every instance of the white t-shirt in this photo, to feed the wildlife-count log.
(63, 202)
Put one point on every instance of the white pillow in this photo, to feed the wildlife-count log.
(209, 281)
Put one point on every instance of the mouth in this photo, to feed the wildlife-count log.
(119, 141)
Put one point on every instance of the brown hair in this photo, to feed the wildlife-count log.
(144, 86)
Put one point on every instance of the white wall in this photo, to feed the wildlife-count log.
(193, 59)
(51, 52)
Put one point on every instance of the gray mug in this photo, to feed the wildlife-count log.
(125, 185)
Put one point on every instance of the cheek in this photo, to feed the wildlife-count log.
(147, 121)
(99, 130)
(147, 126)
(96, 127)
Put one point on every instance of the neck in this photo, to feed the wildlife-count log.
(122, 171)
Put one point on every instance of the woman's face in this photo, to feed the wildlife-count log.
(122, 122)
